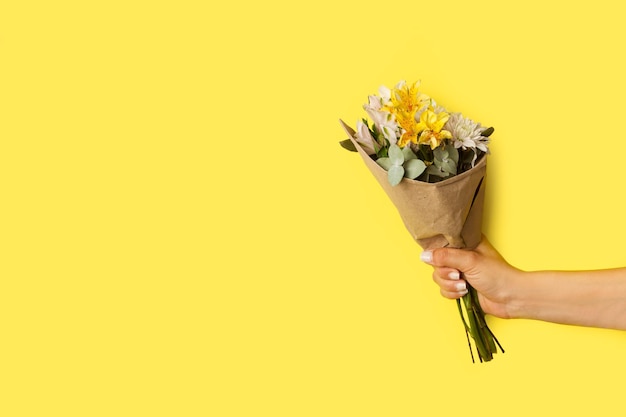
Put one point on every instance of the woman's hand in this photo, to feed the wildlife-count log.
(595, 298)
(483, 268)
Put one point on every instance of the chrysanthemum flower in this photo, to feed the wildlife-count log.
(466, 133)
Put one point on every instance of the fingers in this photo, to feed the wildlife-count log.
(458, 259)
(450, 284)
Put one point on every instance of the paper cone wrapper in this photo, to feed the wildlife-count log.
(445, 213)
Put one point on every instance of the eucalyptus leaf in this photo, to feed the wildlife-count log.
(448, 166)
(395, 174)
(347, 144)
(440, 153)
(487, 132)
(453, 153)
(385, 163)
(408, 153)
(395, 154)
(434, 170)
(414, 168)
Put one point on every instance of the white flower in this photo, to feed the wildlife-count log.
(384, 121)
(385, 94)
(438, 107)
(401, 84)
(375, 103)
(466, 133)
(365, 139)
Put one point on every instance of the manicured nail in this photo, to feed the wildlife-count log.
(460, 286)
(427, 256)
(454, 275)
(462, 293)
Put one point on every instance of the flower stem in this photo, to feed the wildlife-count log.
(476, 327)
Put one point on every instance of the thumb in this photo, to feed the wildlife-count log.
(460, 259)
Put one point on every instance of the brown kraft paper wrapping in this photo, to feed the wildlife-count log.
(445, 213)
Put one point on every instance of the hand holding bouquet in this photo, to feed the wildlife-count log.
(432, 165)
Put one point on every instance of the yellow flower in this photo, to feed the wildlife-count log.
(409, 126)
(406, 98)
(430, 127)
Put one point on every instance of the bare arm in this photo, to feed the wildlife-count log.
(586, 298)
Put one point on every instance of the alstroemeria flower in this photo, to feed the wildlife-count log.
(374, 103)
(384, 121)
(385, 94)
(406, 98)
(431, 127)
(409, 129)
(365, 138)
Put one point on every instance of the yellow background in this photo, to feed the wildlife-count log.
(181, 234)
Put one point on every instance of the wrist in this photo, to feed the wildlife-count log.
(518, 299)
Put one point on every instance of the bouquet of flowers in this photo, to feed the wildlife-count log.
(432, 165)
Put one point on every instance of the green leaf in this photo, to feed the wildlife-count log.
(434, 170)
(426, 154)
(449, 166)
(487, 132)
(395, 174)
(347, 144)
(440, 153)
(414, 168)
(467, 156)
(396, 156)
(385, 163)
(408, 153)
(453, 153)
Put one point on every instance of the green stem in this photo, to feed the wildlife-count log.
(466, 327)
(482, 324)
(475, 330)
(476, 327)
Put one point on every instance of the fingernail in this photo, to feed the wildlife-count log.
(454, 275)
(427, 256)
(462, 293)
(460, 286)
